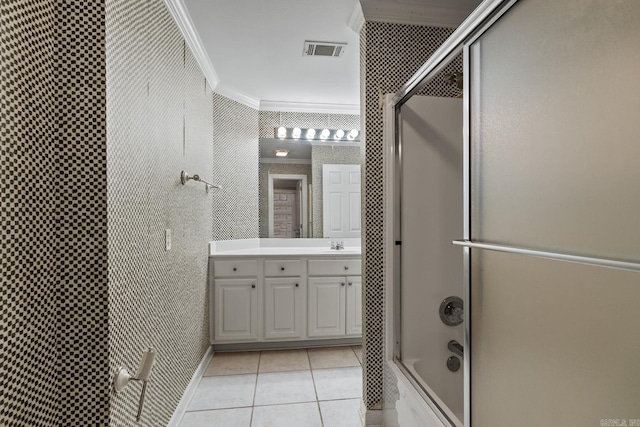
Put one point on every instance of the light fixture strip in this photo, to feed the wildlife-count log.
(315, 134)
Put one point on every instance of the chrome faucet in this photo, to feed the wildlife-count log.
(339, 245)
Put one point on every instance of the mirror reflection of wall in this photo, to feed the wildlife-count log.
(303, 158)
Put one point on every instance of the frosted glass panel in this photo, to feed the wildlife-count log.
(556, 128)
(553, 343)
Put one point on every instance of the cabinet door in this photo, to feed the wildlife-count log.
(283, 305)
(236, 309)
(326, 306)
(354, 305)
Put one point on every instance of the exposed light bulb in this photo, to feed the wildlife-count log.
(311, 133)
(324, 134)
(353, 134)
(339, 134)
(281, 153)
(296, 133)
(282, 132)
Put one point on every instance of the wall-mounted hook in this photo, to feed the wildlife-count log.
(122, 377)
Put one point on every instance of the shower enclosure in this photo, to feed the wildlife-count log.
(430, 210)
(513, 241)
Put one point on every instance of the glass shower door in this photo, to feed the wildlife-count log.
(555, 152)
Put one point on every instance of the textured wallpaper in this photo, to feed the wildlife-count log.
(159, 122)
(384, 68)
(235, 167)
(28, 215)
(82, 182)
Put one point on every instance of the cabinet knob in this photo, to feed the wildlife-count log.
(235, 269)
(350, 283)
(342, 284)
(281, 268)
(253, 285)
(297, 285)
(346, 267)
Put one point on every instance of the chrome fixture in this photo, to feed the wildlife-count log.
(454, 79)
(184, 177)
(337, 245)
(579, 259)
(456, 348)
(451, 311)
(320, 134)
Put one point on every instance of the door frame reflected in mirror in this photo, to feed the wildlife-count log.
(304, 229)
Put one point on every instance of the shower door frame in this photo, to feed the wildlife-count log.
(473, 27)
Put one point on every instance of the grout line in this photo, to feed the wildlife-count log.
(255, 389)
(286, 403)
(314, 389)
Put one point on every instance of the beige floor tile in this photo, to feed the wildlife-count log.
(332, 357)
(233, 363)
(284, 360)
(357, 349)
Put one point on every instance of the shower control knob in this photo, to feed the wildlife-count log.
(452, 311)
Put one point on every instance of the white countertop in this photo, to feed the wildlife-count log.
(282, 247)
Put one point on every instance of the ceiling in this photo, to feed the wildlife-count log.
(256, 46)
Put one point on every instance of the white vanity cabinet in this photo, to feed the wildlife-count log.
(334, 302)
(236, 300)
(283, 299)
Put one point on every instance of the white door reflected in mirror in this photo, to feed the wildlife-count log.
(341, 202)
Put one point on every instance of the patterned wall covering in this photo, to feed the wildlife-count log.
(331, 155)
(159, 122)
(82, 182)
(28, 214)
(275, 168)
(390, 54)
(235, 167)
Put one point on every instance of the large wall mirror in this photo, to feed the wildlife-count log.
(310, 187)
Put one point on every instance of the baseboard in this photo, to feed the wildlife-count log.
(191, 388)
(285, 345)
(370, 417)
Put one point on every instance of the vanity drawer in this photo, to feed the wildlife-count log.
(334, 267)
(238, 268)
(275, 268)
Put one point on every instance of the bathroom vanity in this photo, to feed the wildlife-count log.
(280, 292)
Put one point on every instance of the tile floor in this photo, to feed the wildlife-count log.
(307, 387)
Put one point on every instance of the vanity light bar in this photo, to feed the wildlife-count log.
(311, 134)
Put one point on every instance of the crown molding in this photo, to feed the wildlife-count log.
(432, 14)
(309, 107)
(356, 21)
(180, 14)
(237, 95)
(182, 18)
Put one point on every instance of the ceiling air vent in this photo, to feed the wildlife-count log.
(328, 49)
